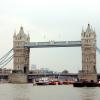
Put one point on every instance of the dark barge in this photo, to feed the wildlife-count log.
(85, 84)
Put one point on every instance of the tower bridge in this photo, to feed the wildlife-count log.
(22, 45)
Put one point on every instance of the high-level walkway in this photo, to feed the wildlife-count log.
(53, 44)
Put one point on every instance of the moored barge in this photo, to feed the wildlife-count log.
(85, 84)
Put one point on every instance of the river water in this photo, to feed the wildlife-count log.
(56, 92)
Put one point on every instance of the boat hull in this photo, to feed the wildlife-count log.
(41, 83)
(85, 84)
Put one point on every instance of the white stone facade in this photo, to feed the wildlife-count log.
(88, 39)
(21, 54)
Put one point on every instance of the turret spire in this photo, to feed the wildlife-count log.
(28, 37)
(14, 36)
(21, 30)
(88, 28)
(82, 30)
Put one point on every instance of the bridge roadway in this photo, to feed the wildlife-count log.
(53, 44)
(56, 75)
(41, 75)
(32, 76)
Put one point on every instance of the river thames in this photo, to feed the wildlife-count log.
(56, 92)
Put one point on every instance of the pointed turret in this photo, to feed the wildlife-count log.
(21, 30)
(14, 36)
(82, 30)
(82, 33)
(21, 35)
(88, 29)
(94, 31)
(28, 37)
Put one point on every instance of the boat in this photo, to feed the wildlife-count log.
(85, 84)
(67, 82)
(55, 83)
(42, 81)
(98, 83)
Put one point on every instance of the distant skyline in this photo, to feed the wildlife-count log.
(44, 20)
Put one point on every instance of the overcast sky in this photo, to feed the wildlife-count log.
(48, 20)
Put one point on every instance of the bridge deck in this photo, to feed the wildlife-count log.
(53, 44)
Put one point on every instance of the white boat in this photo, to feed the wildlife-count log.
(42, 81)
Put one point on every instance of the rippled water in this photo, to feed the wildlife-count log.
(58, 92)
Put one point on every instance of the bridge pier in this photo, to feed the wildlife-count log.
(19, 78)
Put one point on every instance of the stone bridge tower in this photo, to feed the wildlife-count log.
(21, 54)
(88, 40)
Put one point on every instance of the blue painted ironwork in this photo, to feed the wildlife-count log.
(53, 44)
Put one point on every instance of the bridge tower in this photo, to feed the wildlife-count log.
(21, 54)
(88, 39)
